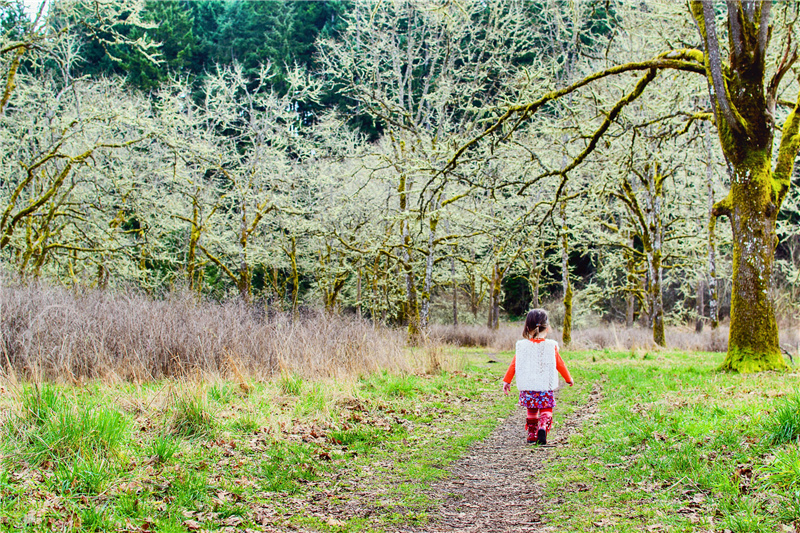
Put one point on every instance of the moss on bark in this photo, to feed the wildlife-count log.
(753, 341)
(566, 336)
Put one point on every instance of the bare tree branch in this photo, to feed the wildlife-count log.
(708, 29)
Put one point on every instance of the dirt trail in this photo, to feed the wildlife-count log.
(493, 488)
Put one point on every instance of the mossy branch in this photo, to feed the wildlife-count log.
(703, 12)
(689, 60)
(723, 208)
(12, 72)
(610, 118)
(787, 152)
(219, 263)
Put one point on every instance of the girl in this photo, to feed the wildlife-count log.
(535, 363)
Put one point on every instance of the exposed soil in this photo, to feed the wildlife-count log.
(494, 488)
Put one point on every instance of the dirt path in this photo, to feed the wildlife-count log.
(493, 488)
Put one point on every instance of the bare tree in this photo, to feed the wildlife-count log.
(745, 102)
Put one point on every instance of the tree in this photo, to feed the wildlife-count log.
(41, 43)
(745, 106)
(415, 68)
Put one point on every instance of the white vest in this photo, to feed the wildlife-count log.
(536, 365)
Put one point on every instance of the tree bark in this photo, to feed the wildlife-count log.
(358, 294)
(630, 265)
(534, 279)
(411, 306)
(744, 113)
(713, 313)
(455, 287)
(295, 274)
(566, 334)
(493, 321)
(655, 209)
(698, 327)
(426, 290)
(753, 339)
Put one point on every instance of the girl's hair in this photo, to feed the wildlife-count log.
(535, 322)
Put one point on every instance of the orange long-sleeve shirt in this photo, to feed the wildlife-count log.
(560, 366)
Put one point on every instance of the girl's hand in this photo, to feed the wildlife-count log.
(506, 387)
(570, 383)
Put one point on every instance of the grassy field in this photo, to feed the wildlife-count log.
(678, 446)
(326, 455)
(674, 446)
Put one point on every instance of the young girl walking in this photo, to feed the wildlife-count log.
(535, 363)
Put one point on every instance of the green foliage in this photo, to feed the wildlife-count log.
(39, 402)
(221, 393)
(394, 385)
(198, 36)
(784, 470)
(13, 21)
(343, 432)
(188, 488)
(246, 423)
(94, 519)
(54, 428)
(285, 465)
(673, 433)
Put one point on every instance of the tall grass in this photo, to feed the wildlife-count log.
(52, 333)
(784, 424)
(611, 336)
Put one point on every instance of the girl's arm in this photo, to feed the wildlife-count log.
(512, 369)
(562, 369)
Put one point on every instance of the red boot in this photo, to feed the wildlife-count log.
(532, 425)
(545, 423)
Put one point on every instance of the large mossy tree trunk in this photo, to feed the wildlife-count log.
(411, 305)
(753, 341)
(744, 108)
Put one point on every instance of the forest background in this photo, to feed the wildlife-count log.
(295, 156)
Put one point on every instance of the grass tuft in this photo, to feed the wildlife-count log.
(38, 402)
(191, 417)
(83, 475)
(784, 424)
(163, 447)
(290, 384)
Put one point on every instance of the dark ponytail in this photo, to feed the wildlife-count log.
(535, 322)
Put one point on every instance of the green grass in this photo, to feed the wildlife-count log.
(673, 445)
(156, 456)
(191, 416)
(163, 447)
(679, 445)
(784, 424)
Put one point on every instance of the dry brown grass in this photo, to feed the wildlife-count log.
(52, 333)
(608, 336)
(57, 334)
